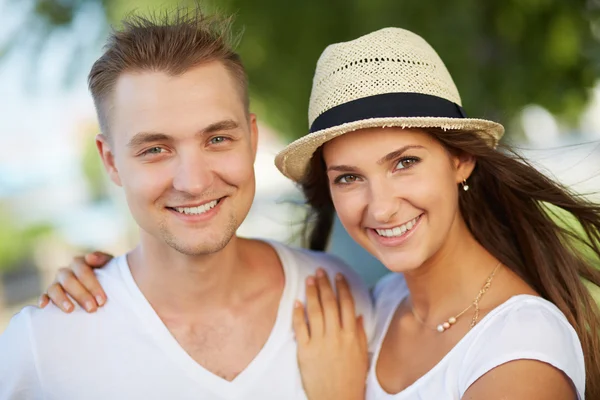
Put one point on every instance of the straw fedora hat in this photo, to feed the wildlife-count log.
(390, 77)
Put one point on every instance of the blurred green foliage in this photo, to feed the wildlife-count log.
(503, 54)
(93, 171)
(17, 243)
(580, 241)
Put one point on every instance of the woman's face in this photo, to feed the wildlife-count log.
(396, 192)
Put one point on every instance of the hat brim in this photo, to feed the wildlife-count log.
(293, 161)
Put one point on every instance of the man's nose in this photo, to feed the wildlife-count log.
(193, 174)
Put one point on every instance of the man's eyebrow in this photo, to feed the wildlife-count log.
(397, 153)
(142, 138)
(387, 158)
(224, 125)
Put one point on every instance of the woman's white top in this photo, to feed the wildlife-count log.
(524, 327)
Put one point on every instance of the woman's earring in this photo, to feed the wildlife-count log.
(465, 185)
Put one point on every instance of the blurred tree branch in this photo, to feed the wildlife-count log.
(503, 54)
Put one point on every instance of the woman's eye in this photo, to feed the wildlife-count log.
(406, 162)
(347, 179)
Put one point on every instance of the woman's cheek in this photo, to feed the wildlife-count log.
(350, 209)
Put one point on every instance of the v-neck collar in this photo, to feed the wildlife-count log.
(280, 332)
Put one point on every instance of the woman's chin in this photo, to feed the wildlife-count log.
(400, 263)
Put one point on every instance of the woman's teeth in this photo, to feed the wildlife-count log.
(399, 230)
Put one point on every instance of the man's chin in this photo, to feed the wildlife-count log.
(198, 242)
(199, 248)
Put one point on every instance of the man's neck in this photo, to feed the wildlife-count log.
(175, 283)
(220, 308)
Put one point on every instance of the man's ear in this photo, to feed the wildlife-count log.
(108, 158)
(253, 135)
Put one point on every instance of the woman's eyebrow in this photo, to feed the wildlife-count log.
(341, 168)
(387, 158)
(397, 153)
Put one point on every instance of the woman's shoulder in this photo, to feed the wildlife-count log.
(524, 327)
(528, 316)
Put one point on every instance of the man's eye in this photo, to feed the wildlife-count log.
(218, 139)
(153, 150)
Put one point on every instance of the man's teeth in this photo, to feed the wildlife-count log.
(197, 210)
(399, 230)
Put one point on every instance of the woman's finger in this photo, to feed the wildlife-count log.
(314, 311)
(70, 284)
(97, 259)
(346, 301)
(329, 302)
(300, 325)
(59, 298)
(43, 300)
(86, 276)
(361, 334)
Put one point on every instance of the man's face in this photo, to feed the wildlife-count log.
(183, 149)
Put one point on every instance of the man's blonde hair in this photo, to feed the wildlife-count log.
(171, 41)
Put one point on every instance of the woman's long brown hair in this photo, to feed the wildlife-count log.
(518, 215)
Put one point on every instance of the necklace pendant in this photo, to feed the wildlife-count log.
(443, 327)
(452, 320)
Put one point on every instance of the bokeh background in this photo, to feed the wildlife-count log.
(533, 65)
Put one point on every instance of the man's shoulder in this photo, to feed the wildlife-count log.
(31, 323)
(309, 260)
(18, 373)
(392, 284)
(51, 318)
(52, 321)
(21, 321)
(115, 277)
(112, 271)
(305, 262)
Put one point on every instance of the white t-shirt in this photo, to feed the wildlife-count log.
(124, 351)
(524, 327)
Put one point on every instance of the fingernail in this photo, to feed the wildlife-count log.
(100, 300)
(40, 303)
(310, 280)
(297, 304)
(320, 273)
(100, 257)
(67, 306)
(89, 305)
(339, 276)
